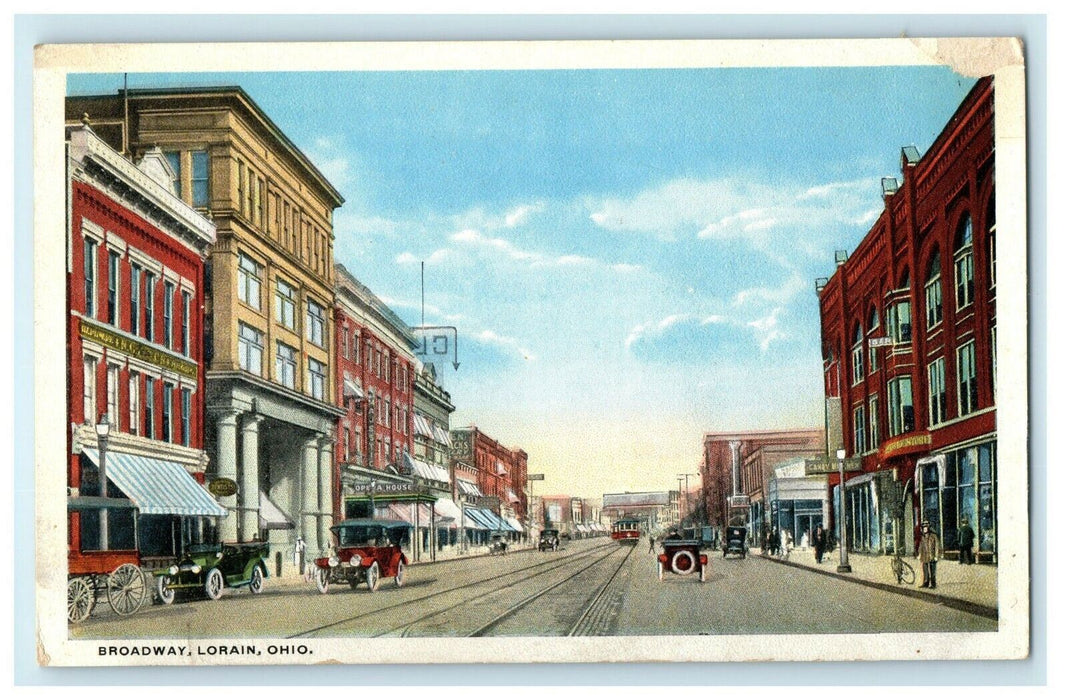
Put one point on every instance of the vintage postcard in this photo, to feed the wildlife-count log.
(531, 352)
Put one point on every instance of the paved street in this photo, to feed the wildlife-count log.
(591, 587)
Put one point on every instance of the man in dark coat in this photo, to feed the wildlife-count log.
(819, 541)
(965, 542)
(929, 553)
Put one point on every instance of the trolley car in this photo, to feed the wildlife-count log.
(627, 531)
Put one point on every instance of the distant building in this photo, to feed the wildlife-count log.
(656, 508)
(909, 328)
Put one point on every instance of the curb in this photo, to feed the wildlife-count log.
(948, 601)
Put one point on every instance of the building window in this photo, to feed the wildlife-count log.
(168, 313)
(174, 159)
(316, 324)
(200, 178)
(150, 289)
(187, 410)
(873, 422)
(902, 418)
(936, 391)
(285, 365)
(858, 356)
(345, 444)
(168, 396)
(248, 281)
(186, 308)
(285, 304)
(135, 299)
(389, 414)
(250, 349)
(967, 388)
(356, 347)
(316, 378)
(257, 201)
(90, 278)
(113, 288)
(135, 402)
(932, 291)
(150, 408)
(113, 394)
(963, 264)
(89, 389)
(899, 322)
(859, 427)
(991, 224)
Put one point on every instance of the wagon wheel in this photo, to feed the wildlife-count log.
(79, 599)
(213, 584)
(127, 589)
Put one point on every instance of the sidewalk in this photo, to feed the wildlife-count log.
(971, 588)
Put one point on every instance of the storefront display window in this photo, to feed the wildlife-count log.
(968, 491)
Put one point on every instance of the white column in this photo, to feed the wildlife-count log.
(309, 492)
(226, 459)
(250, 478)
(326, 490)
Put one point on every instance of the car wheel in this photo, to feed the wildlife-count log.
(255, 584)
(322, 579)
(213, 584)
(164, 591)
(401, 572)
(371, 577)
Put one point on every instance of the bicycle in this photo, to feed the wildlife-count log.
(903, 571)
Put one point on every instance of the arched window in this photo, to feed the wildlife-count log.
(933, 291)
(964, 263)
(858, 353)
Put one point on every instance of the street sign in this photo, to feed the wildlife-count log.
(535, 477)
(738, 501)
(830, 466)
(222, 487)
(880, 342)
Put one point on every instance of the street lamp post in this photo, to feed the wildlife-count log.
(843, 550)
(686, 493)
(103, 429)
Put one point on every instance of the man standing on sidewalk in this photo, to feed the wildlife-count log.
(930, 552)
(965, 541)
(819, 541)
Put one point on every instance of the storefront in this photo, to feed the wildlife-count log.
(798, 500)
(398, 499)
(961, 483)
(872, 519)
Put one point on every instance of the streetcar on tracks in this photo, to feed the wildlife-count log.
(627, 531)
(366, 551)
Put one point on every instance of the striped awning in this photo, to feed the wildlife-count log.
(426, 470)
(157, 486)
(512, 498)
(441, 436)
(472, 521)
(423, 427)
(514, 524)
(483, 517)
(271, 516)
(467, 488)
(448, 512)
(352, 389)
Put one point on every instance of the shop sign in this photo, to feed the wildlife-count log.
(916, 442)
(390, 489)
(137, 349)
(221, 487)
(535, 477)
(826, 465)
(880, 342)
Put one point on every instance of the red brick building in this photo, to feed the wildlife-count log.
(502, 471)
(135, 292)
(908, 332)
(375, 386)
(741, 464)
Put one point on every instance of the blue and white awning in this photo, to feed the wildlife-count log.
(157, 486)
(467, 488)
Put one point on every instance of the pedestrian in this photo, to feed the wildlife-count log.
(819, 542)
(299, 550)
(773, 542)
(652, 543)
(966, 541)
(930, 552)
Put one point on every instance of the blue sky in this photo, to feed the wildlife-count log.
(629, 256)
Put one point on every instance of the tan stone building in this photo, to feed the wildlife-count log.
(270, 293)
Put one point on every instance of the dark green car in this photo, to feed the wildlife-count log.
(212, 567)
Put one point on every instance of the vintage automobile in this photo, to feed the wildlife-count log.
(366, 550)
(734, 541)
(682, 557)
(550, 539)
(212, 567)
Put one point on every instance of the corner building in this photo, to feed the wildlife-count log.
(135, 293)
(909, 328)
(268, 325)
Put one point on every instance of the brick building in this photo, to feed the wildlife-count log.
(135, 292)
(909, 324)
(741, 464)
(501, 471)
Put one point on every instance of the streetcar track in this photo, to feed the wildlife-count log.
(600, 594)
(530, 599)
(428, 596)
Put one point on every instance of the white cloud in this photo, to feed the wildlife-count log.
(783, 294)
(767, 329)
(626, 267)
(406, 258)
(519, 215)
(490, 337)
(327, 156)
